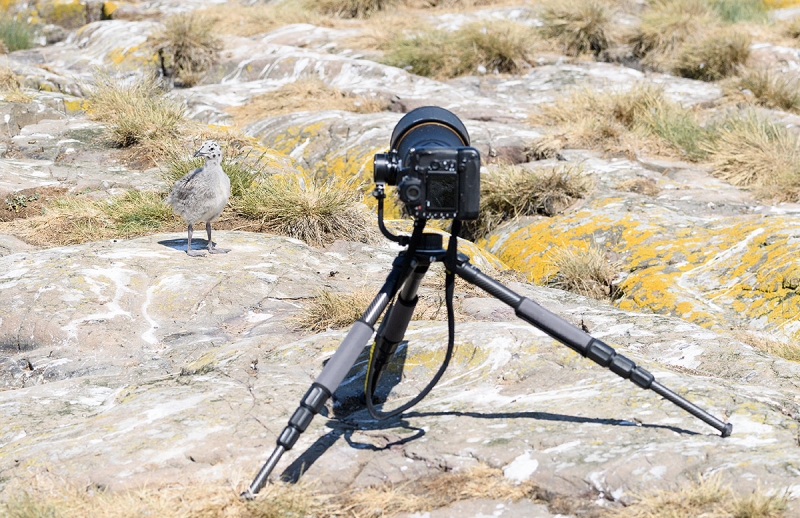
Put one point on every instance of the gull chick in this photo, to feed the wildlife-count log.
(201, 195)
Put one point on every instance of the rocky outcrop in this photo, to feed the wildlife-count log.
(132, 363)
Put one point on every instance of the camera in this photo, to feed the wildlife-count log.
(436, 172)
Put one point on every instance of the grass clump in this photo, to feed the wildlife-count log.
(303, 95)
(586, 272)
(135, 110)
(508, 192)
(641, 119)
(11, 86)
(704, 497)
(332, 310)
(15, 34)
(762, 342)
(497, 45)
(186, 47)
(644, 186)
(666, 25)
(350, 8)
(582, 27)
(734, 11)
(772, 88)
(715, 55)
(73, 220)
(316, 213)
(749, 150)
(249, 20)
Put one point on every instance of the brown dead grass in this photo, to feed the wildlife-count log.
(274, 501)
(240, 20)
(333, 310)
(644, 186)
(706, 497)
(309, 94)
(762, 342)
(11, 87)
(586, 272)
(750, 150)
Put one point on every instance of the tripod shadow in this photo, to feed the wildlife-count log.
(350, 415)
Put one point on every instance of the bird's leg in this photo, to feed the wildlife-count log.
(211, 248)
(189, 251)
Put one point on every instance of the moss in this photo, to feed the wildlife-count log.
(66, 13)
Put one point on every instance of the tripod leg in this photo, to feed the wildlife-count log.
(393, 328)
(580, 342)
(333, 373)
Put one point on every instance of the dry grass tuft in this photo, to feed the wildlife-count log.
(332, 310)
(508, 192)
(73, 220)
(276, 500)
(496, 45)
(772, 88)
(714, 55)
(704, 497)
(644, 186)
(309, 94)
(316, 213)
(749, 150)
(666, 25)
(11, 87)
(240, 20)
(581, 27)
(186, 47)
(586, 272)
(134, 109)
(638, 120)
(350, 8)
(788, 351)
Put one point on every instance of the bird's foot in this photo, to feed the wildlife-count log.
(195, 253)
(218, 250)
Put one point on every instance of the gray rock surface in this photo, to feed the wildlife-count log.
(118, 374)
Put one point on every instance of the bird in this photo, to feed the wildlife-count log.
(202, 195)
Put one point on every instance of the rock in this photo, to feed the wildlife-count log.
(137, 363)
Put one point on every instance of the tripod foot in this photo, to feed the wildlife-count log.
(726, 432)
(247, 496)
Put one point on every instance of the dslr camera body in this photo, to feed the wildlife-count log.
(436, 172)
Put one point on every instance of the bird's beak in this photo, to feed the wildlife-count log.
(198, 153)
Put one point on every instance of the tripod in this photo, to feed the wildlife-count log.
(408, 270)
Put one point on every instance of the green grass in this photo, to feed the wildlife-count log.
(498, 46)
(734, 11)
(135, 110)
(580, 26)
(15, 34)
(186, 46)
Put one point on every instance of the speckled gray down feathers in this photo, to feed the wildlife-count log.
(202, 194)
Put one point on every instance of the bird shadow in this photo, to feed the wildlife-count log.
(180, 244)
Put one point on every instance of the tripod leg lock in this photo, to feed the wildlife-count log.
(310, 405)
(605, 355)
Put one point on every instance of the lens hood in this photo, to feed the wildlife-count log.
(428, 126)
